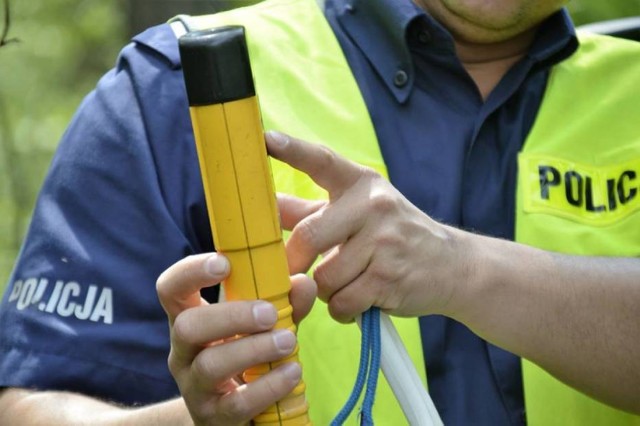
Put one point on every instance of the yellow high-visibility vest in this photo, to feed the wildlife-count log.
(306, 89)
(584, 150)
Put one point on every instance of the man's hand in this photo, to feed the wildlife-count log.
(376, 241)
(575, 316)
(212, 344)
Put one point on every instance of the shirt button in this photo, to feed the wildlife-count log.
(350, 8)
(424, 37)
(400, 79)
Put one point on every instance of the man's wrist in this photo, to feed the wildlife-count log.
(172, 412)
(477, 271)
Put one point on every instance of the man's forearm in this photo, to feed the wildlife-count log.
(25, 407)
(577, 317)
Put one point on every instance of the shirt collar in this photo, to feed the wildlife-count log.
(555, 41)
(380, 29)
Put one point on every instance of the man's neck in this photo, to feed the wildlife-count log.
(488, 63)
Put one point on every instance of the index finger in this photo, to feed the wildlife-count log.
(179, 285)
(327, 168)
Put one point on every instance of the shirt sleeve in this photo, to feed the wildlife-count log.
(121, 202)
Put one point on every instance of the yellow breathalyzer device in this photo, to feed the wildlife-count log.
(238, 187)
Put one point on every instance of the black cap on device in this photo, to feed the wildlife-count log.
(216, 65)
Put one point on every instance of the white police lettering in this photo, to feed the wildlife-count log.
(68, 299)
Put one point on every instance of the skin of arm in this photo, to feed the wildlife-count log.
(577, 317)
(66, 408)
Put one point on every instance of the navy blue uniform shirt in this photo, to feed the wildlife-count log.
(123, 200)
(454, 156)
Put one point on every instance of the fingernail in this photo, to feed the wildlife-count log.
(216, 265)
(264, 314)
(284, 340)
(292, 371)
(278, 138)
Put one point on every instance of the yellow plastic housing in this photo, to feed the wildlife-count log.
(244, 219)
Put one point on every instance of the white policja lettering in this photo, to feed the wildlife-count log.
(66, 299)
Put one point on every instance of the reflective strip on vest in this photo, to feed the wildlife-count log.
(306, 89)
(578, 184)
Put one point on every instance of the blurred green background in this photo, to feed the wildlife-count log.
(63, 47)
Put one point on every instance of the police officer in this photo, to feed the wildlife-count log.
(460, 104)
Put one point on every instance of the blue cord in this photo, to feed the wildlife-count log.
(374, 368)
(368, 370)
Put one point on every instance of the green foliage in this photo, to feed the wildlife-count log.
(64, 46)
(587, 11)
